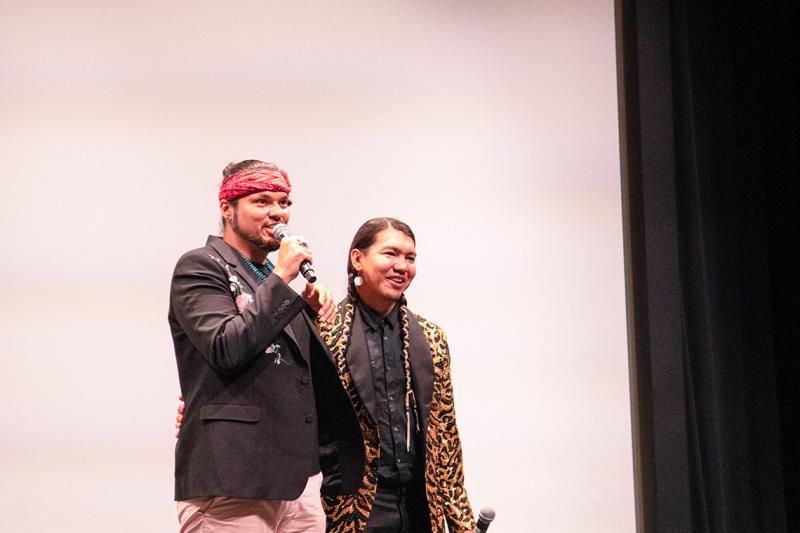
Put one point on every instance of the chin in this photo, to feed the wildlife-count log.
(269, 242)
(263, 244)
(394, 296)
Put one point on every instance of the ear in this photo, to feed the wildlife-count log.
(226, 210)
(356, 259)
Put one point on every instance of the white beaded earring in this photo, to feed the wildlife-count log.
(358, 280)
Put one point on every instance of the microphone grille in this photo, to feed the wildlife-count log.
(280, 231)
(487, 513)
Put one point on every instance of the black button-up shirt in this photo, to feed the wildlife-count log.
(385, 346)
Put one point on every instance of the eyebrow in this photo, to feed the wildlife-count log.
(267, 195)
(398, 250)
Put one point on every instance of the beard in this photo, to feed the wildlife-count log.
(255, 239)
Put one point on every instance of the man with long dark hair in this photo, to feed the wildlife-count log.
(395, 366)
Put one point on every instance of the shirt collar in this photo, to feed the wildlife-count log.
(374, 320)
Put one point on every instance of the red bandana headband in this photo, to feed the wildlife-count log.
(254, 180)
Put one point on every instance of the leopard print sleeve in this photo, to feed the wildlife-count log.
(446, 469)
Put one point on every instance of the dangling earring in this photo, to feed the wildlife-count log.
(358, 280)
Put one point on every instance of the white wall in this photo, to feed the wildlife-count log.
(490, 127)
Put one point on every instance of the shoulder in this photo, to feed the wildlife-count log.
(199, 260)
(425, 324)
(437, 342)
(333, 327)
(335, 333)
(434, 334)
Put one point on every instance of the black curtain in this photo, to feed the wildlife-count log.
(711, 199)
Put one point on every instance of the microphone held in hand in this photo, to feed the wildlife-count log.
(282, 230)
(485, 518)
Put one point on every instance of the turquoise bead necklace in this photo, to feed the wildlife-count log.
(257, 268)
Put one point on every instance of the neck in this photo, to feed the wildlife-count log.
(246, 248)
(379, 305)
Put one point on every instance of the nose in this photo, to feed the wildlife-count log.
(279, 212)
(401, 264)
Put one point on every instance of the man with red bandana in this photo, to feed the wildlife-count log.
(262, 395)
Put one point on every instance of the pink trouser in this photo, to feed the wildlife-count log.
(228, 515)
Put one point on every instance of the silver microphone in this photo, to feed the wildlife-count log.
(485, 518)
(282, 230)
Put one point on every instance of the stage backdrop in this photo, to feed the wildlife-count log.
(490, 127)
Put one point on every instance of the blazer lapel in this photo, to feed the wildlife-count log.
(246, 275)
(358, 362)
(242, 270)
(421, 360)
(297, 334)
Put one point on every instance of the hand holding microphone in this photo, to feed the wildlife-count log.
(293, 256)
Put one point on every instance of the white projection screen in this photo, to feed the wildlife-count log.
(490, 127)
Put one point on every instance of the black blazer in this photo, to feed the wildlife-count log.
(253, 421)
(429, 357)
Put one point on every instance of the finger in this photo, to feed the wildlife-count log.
(328, 295)
(308, 291)
(298, 244)
(328, 310)
(330, 314)
(298, 247)
(329, 299)
(305, 254)
(321, 293)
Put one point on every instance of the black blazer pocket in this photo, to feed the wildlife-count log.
(240, 412)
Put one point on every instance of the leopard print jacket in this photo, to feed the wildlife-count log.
(444, 474)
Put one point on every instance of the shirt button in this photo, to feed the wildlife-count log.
(391, 398)
(385, 338)
(304, 380)
(309, 419)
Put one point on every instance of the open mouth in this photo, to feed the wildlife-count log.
(397, 281)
